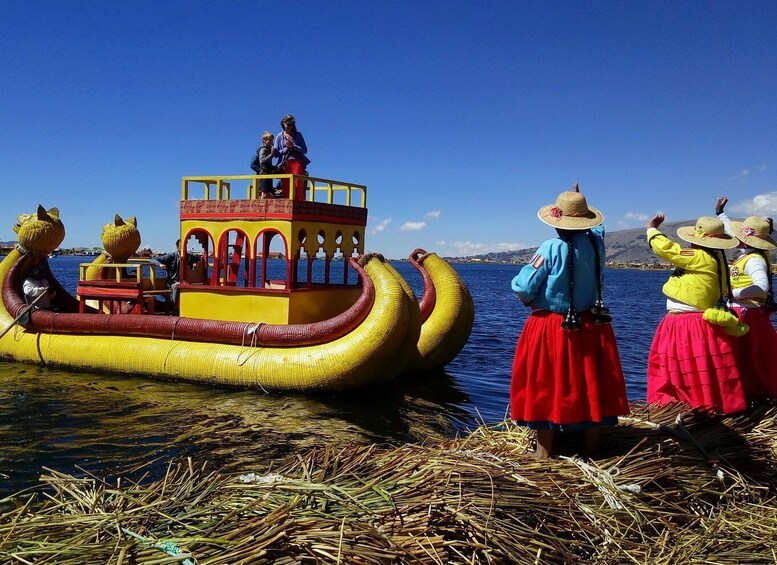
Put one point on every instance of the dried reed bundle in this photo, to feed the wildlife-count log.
(671, 486)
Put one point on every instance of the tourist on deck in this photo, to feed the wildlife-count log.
(693, 355)
(291, 150)
(262, 165)
(38, 285)
(567, 372)
(172, 264)
(752, 298)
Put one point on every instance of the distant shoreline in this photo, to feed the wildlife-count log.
(609, 265)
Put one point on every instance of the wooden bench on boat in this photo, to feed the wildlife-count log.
(112, 291)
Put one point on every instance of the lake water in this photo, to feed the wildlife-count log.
(79, 422)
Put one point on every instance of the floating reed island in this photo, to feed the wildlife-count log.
(670, 487)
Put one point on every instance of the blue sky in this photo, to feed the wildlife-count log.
(463, 119)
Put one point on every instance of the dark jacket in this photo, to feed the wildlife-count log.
(262, 163)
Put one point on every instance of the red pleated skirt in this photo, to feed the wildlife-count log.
(293, 167)
(566, 378)
(693, 361)
(757, 354)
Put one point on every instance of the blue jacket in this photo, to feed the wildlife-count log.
(544, 282)
(298, 152)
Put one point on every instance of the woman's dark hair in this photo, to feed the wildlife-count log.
(287, 119)
(601, 314)
(723, 278)
(572, 320)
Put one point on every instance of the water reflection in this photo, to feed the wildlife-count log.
(112, 425)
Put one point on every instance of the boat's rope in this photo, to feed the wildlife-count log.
(51, 334)
(253, 330)
(172, 342)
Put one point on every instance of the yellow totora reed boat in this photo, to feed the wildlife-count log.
(354, 322)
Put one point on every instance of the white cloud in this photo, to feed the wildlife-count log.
(412, 226)
(761, 204)
(466, 248)
(746, 172)
(380, 226)
(629, 220)
(636, 216)
(434, 214)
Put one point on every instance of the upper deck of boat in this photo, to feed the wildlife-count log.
(237, 197)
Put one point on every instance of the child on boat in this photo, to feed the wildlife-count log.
(752, 298)
(567, 372)
(262, 165)
(692, 358)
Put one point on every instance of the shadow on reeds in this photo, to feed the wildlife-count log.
(701, 438)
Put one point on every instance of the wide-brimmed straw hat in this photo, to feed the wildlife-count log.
(570, 212)
(708, 232)
(754, 232)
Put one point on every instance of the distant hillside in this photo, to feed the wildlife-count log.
(624, 246)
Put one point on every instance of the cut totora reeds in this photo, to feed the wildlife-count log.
(670, 486)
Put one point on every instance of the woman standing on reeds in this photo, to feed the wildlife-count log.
(692, 358)
(752, 298)
(567, 372)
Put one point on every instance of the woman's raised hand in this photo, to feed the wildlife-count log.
(720, 204)
(656, 220)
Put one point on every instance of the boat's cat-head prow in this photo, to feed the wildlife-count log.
(121, 238)
(40, 233)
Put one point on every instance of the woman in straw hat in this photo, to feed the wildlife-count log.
(567, 372)
(752, 298)
(692, 358)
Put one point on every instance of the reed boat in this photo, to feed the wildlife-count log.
(251, 309)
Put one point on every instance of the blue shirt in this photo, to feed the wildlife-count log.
(291, 153)
(544, 283)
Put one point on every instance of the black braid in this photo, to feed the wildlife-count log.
(722, 265)
(572, 319)
(600, 312)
